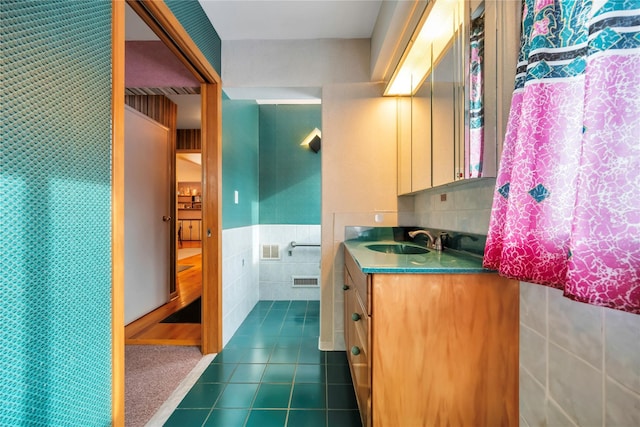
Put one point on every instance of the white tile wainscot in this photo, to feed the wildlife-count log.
(276, 275)
(240, 266)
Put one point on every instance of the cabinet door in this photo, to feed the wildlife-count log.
(187, 230)
(443, 119)
(196, 231)
(404, 145)
(421, 138)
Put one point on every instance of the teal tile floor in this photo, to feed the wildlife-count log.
(271, 374)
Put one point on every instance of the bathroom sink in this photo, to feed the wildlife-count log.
(397, 248)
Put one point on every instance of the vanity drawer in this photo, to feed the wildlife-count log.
(357, 339)
(359, 280)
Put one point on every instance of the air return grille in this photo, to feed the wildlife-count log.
(305, 282)
(270, 252)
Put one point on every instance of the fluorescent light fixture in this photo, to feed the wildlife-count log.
(430, 38)
(313, 140)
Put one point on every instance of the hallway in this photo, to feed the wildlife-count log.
(271, 374)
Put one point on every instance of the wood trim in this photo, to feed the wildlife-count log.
(171, 32)
(158, 16)
(211, 98)
(117, 215)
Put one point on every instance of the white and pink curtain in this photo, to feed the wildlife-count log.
(566, 212)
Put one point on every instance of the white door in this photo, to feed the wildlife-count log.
(146, 215)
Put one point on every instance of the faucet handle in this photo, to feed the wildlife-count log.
(438, 244)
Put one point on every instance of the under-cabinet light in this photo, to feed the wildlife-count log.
(431, 36)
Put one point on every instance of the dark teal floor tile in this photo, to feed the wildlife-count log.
(217, 373)
(269, 329)
(310, 374)
(280, 305)
(201, 395)
(337, 358)
(312, 321)
(292, 331)
(307, 341)
(226, 418)
(272, 396)
(341, 396)
(237, 396)
(298, 305)
(288, 342)
(231, 355)
(263, 304)
(257, 355)
(338, 374)
(267, 418)
(311, 332)
(284, 355)
(240, 342)
(279, 373)
(308, 396)
(187, 417)
(349, 418)
(267, 340)
(311, 355)
(248, 373)
(308, 418)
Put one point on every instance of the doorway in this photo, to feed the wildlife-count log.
(159, 18)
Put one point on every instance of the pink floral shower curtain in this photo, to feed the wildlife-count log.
(566, 212)
(476, 99)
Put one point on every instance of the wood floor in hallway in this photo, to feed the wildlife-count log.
(149, 330)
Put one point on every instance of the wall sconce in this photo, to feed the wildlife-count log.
(429, 40)
(313, 140)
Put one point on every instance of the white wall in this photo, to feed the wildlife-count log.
(276, 274)
(240, 267)
(579, 364)
(187, 171)
(293, 64)
(358, 183)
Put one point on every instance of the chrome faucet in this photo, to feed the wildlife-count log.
(430, 243)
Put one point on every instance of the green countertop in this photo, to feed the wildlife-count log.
(447, 261)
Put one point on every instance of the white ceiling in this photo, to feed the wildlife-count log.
(292, 19)
(271, 20)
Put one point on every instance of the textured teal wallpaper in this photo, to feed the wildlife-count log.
(289, 173)
(55, 181)
(239, 163)
(196, 23)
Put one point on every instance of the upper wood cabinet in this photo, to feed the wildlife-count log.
(452, 128)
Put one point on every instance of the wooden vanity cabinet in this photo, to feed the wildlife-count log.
(433, 349)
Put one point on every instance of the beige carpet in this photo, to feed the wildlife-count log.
(152, 373)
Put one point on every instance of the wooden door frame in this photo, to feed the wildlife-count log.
(161, 20)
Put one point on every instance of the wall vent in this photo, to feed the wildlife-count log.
(306, 281)
(270, 252)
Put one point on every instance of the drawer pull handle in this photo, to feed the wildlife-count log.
(355, 350)
(355, 317)
(345, 287)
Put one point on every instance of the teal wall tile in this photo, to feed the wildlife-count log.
(289, 173)
(55, 181)
(239, 163)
